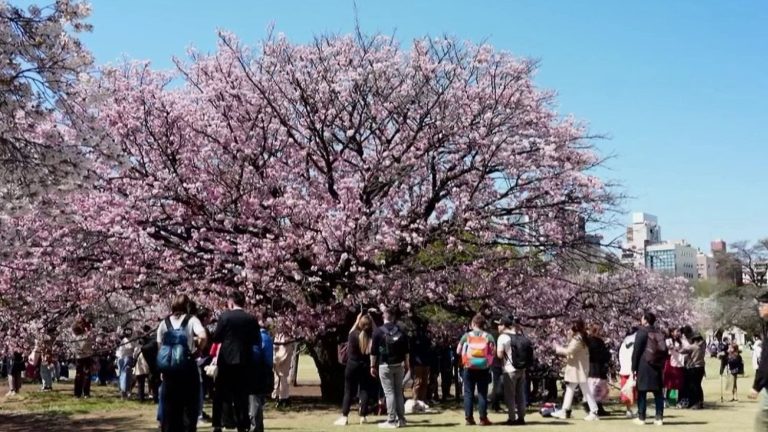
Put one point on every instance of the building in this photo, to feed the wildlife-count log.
(706, 266)
(643, 231)
(676, 258)
(718, 246)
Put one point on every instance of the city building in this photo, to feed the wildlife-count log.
(706, 266)
(643, 231)
(676, 258)
(718, 246)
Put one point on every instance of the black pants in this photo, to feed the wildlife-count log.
(154, 386)
(83, 377)
(642, 403)
(496, 392)
(232, 388)
(695, 392)
(141, 384)
(357, 382)
(181, 401)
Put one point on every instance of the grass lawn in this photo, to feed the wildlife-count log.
(104, 412)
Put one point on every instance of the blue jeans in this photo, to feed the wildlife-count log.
(125, 374)
(642, 404)
(476, 379)
(161, 394)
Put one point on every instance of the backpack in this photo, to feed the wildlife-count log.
(522, 352)
(655, 348)
(395, 345)
(174, 355)
(263, 355)
(477, 351)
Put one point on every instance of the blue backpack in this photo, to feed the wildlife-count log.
(174, 355)
(263, 355)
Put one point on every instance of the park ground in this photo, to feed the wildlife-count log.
(104, 412)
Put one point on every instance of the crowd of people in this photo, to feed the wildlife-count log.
(237, 363)
(668, 364)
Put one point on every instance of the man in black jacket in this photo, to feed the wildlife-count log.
(647, 362)
(237, 332)
(761, 375)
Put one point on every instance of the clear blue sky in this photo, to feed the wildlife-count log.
(680, 87)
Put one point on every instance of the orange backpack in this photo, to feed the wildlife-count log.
(477, 351)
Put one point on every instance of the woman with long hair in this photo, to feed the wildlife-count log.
(576, 371)
(357, 379)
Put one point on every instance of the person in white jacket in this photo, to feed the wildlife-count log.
(625, 367)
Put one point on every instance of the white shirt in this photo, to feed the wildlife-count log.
(125, 349)
(757, 350)
(194, 329)
(625, 355)
(504, 347)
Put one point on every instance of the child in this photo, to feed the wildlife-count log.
(735, 368)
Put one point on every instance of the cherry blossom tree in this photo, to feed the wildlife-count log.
(40, 63)
(320, 177)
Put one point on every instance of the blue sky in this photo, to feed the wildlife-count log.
(680, 87)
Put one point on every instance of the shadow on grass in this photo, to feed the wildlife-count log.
(53, 422)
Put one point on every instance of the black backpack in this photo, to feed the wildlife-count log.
(656, 348)
(395, 345)
(522, 351)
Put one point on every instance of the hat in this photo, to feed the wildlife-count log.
(763, 298)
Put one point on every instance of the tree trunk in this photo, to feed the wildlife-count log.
(324, 353)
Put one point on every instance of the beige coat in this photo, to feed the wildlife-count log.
(576, 360)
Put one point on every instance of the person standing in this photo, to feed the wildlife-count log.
(124, 355)
(422, 352)
(264, 380)
(83, 358)
(357, 376)
(648, 359)
(625, 369)
(390, 352)
(576, 371)
(238, 332)
(599, 364)
(285, 348)
(14, 376)
(735, 368)
(760, 384)
(179, 336)
(757, 351)
(515, 352)
(477, 349)
(697, 351)
(674, 369)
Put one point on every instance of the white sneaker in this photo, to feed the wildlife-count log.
(629, 415)
(591, 417)
(658, 422)
(560, 414)
(341, 421)
(639, 422)
(387, 425)
(363, 420)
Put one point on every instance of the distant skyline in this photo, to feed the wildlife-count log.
(680, 88)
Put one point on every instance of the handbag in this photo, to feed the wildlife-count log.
(212, 370)
(628, 391)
